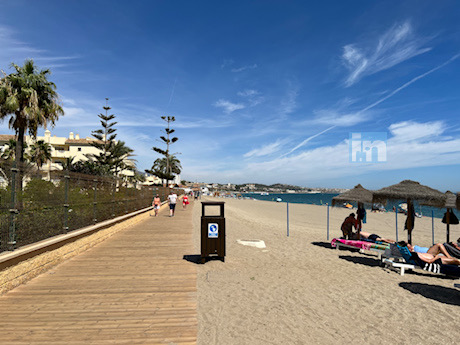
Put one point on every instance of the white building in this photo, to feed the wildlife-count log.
(63, 148)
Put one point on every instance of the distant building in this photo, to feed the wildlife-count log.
(63, 148)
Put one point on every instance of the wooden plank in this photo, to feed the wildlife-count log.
(133, 288)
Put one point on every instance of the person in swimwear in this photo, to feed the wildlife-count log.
(374, 237)
(431, 258)
(156, 204)
(436, 249)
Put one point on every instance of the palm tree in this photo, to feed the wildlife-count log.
(68, 164)
(165, 168)
(120, 154)
(9, 150)
(40, 153)
(29, 100)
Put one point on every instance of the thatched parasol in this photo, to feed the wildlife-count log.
(357, 194)
(411, 190)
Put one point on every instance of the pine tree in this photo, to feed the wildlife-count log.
(105, 139)
(161, 171)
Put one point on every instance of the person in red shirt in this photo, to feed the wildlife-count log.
(185, 201)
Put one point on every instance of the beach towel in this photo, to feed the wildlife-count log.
(407, 255)
(359, 244)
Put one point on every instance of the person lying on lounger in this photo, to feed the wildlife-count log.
(436, 249)
(373, 237)
(430, 258)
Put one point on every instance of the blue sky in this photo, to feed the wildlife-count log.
(263, 91)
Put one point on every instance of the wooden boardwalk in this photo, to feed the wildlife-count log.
(134, 288)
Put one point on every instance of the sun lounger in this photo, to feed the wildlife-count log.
(361, 245)
(389, 263)
(413, 262)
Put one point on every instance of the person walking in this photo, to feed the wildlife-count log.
(156, 204)
(172, 199)
(185, 201)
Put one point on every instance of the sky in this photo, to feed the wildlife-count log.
(262, 91)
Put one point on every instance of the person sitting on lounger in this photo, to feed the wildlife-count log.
(347, 226)
(431, 258)
(374, 237)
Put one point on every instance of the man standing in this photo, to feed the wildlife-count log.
(172, 198)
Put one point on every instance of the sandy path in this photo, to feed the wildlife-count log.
(298, 291)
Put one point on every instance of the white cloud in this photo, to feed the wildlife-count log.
(228, 106)
(332, 117)
(431, 148)
(409, 131)
(396, 45)
(243, 68)
(264, 150)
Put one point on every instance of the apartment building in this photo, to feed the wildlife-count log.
(62, 148)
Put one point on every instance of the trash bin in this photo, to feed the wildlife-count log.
(212, 231)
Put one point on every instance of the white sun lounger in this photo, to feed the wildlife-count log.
(398, 265)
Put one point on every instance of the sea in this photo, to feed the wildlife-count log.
(326, 199)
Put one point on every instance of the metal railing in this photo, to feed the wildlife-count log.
(35, 205)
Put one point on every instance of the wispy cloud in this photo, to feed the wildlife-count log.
(303, 143)
(244, 68)
(226, 63)
(336, 118)
(289, 102)
(253, 97)
(264, 150)
(228, 106)
(19, 50)
(396, 45)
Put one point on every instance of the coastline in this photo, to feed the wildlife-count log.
(297, 290)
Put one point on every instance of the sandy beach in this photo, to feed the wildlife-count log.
(300, 291)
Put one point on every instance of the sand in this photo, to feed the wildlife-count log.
(298, 290)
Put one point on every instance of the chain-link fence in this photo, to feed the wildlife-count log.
(38, 204)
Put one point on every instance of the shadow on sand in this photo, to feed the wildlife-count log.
(196, 259)
(438, 293)
(362, 260)
(322, 244)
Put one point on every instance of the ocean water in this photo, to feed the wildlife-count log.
(326, 198)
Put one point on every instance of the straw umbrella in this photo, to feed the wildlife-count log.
(357, 194)
(411, 190)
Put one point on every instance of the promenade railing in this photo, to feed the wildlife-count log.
(39, 204)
